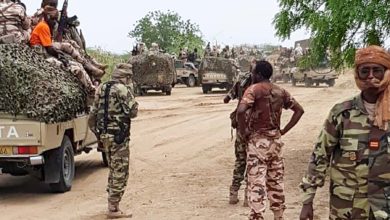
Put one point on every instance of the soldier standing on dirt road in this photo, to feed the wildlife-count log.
(239, 145)
(114, 107)
(354, 142)
(265, 165)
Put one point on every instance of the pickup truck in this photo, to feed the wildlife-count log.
(46, 151)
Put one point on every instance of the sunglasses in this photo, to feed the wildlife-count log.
(377, 72)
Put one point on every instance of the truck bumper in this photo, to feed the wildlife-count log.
(32, 161)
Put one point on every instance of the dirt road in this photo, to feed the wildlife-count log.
(181, 163)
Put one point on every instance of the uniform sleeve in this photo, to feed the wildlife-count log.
(249, 97)
(288, 100)
(320, 158)
(127, 101)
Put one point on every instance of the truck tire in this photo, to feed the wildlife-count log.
(293, 81)
(168, 92)
(308, 82)
(331, 82)
(205, 89)
(65, 156)
(104, 159)
(286, 78)
(191, 81)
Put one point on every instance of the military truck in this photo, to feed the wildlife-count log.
(186, 73)
(281, 62)
(44, 150)
(310, 77)
(153, 71)
(217, 72)
(43, 118)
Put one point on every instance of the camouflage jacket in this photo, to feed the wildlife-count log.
(13, 20)
(121, 108)
(359, 173)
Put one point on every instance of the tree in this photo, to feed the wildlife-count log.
(340, 26)
(169, 30)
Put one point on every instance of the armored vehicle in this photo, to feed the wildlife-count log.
(187, 73)
(153, 71)
(43, 118)
(217, 72)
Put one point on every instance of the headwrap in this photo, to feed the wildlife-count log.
(50, 11)
(377, 55)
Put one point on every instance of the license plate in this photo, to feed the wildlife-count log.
(5, 150)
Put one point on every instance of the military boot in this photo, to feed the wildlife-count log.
(114, 212)
(245, 204)
(278, 215)
(96, 72)
(233, 195)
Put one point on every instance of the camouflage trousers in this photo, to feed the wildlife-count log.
(240, 163)
(265, 170)
(356, 208)
(118, 156)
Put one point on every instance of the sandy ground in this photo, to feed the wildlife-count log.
(181, 162)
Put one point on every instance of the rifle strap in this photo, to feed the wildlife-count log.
(106, 105)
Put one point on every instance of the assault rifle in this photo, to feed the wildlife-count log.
(63, 21)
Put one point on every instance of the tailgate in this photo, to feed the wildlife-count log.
(19, 132)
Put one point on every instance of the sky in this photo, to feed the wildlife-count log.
(106, 24)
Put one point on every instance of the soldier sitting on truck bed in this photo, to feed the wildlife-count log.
(41, 39)
(69, 46)
(14, 23)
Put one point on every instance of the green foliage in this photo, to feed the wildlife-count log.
(169, 30)
(108, 58)
(340, 25)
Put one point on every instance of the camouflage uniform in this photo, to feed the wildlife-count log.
(239, 145)
(114, 131)
(265, 163)
(360, 176)
(14, 23)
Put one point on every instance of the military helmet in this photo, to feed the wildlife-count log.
(122, 70)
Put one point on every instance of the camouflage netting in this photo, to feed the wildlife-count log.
(219, 65)
(152, 69)
(245, 62)
(31, 86)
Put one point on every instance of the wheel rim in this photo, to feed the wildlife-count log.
(191, 81)
(67, 166)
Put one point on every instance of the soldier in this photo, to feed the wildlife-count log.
(41, 39)
(14, 23)
(207, 50)
(110, 119)
(236, 92)
(354, 142)
(154, 48)
(265, 166)
(71, 47)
